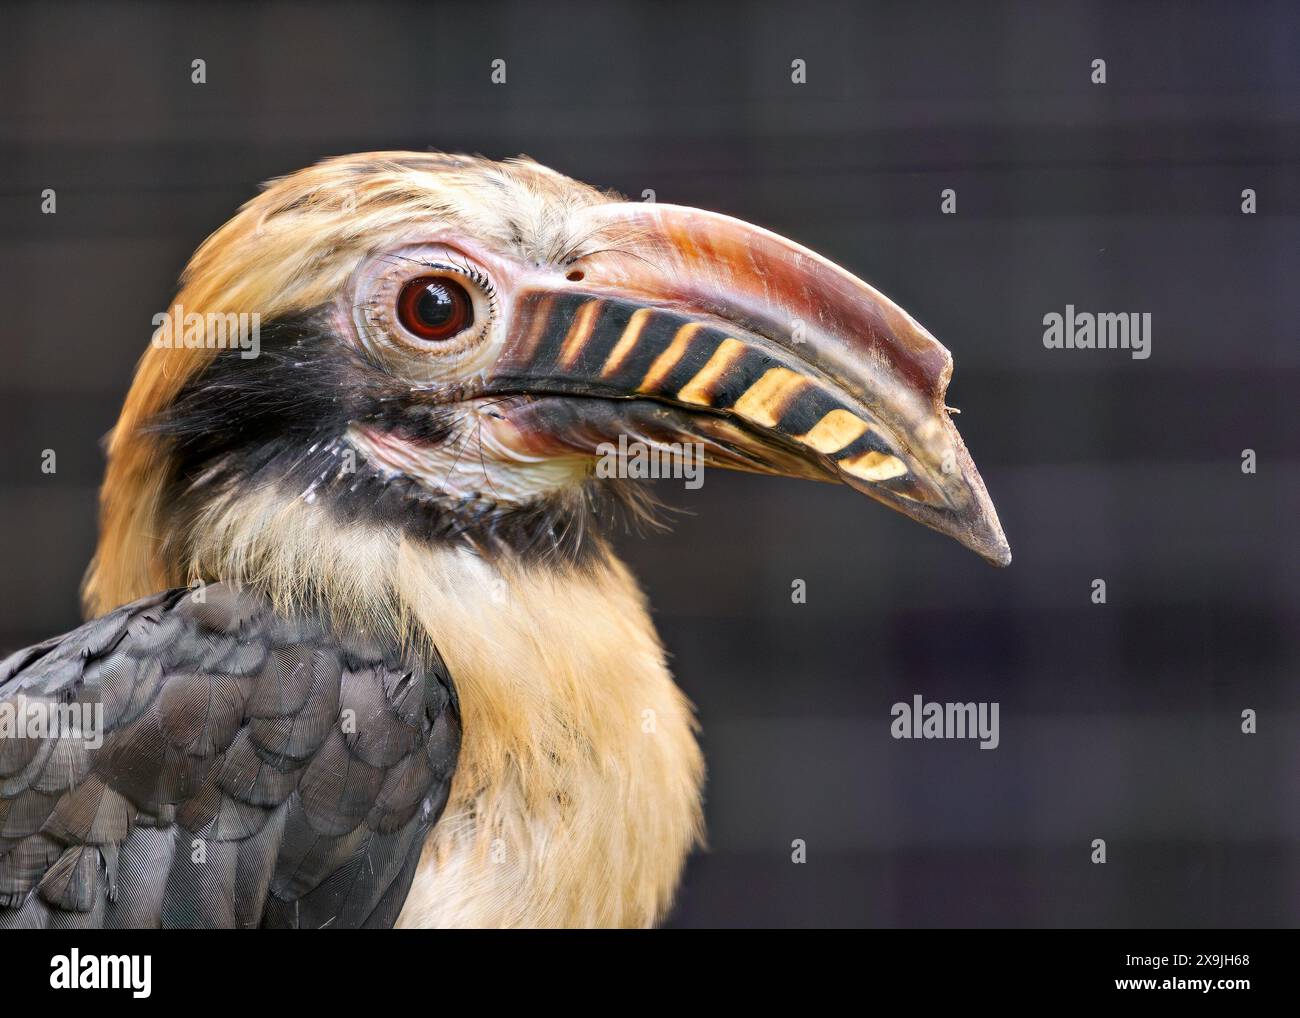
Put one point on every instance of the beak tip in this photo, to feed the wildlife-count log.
(1001, 557)
(988, 540)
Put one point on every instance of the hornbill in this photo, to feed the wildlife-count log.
(360, 652)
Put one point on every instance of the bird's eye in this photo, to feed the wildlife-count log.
(425, 312)
(434, 308)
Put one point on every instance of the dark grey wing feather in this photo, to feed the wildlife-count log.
(253, 771)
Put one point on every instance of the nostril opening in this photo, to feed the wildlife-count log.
(574, 276)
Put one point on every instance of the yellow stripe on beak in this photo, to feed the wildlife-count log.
(626, 342)
(874, 466)
(699, 390)
(579, 333)
(834, 431)
(665, 362)
(765, 400)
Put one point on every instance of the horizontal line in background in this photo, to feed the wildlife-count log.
(1052, 779)
(1162, 884)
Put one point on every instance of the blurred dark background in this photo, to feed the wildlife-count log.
(1118, 721)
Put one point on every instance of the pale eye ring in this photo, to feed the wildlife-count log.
(427, 313)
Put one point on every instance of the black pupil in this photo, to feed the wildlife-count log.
(436, 306)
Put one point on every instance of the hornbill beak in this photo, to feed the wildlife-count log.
(689, 326)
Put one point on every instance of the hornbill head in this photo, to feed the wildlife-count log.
(447, 343)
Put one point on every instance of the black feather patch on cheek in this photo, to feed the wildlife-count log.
(304, 385)
(280, 420)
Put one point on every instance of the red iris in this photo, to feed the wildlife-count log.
(434, 308)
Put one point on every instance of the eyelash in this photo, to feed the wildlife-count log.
(377, 318)
(472, 273)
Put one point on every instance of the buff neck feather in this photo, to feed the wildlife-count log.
(577, 794)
